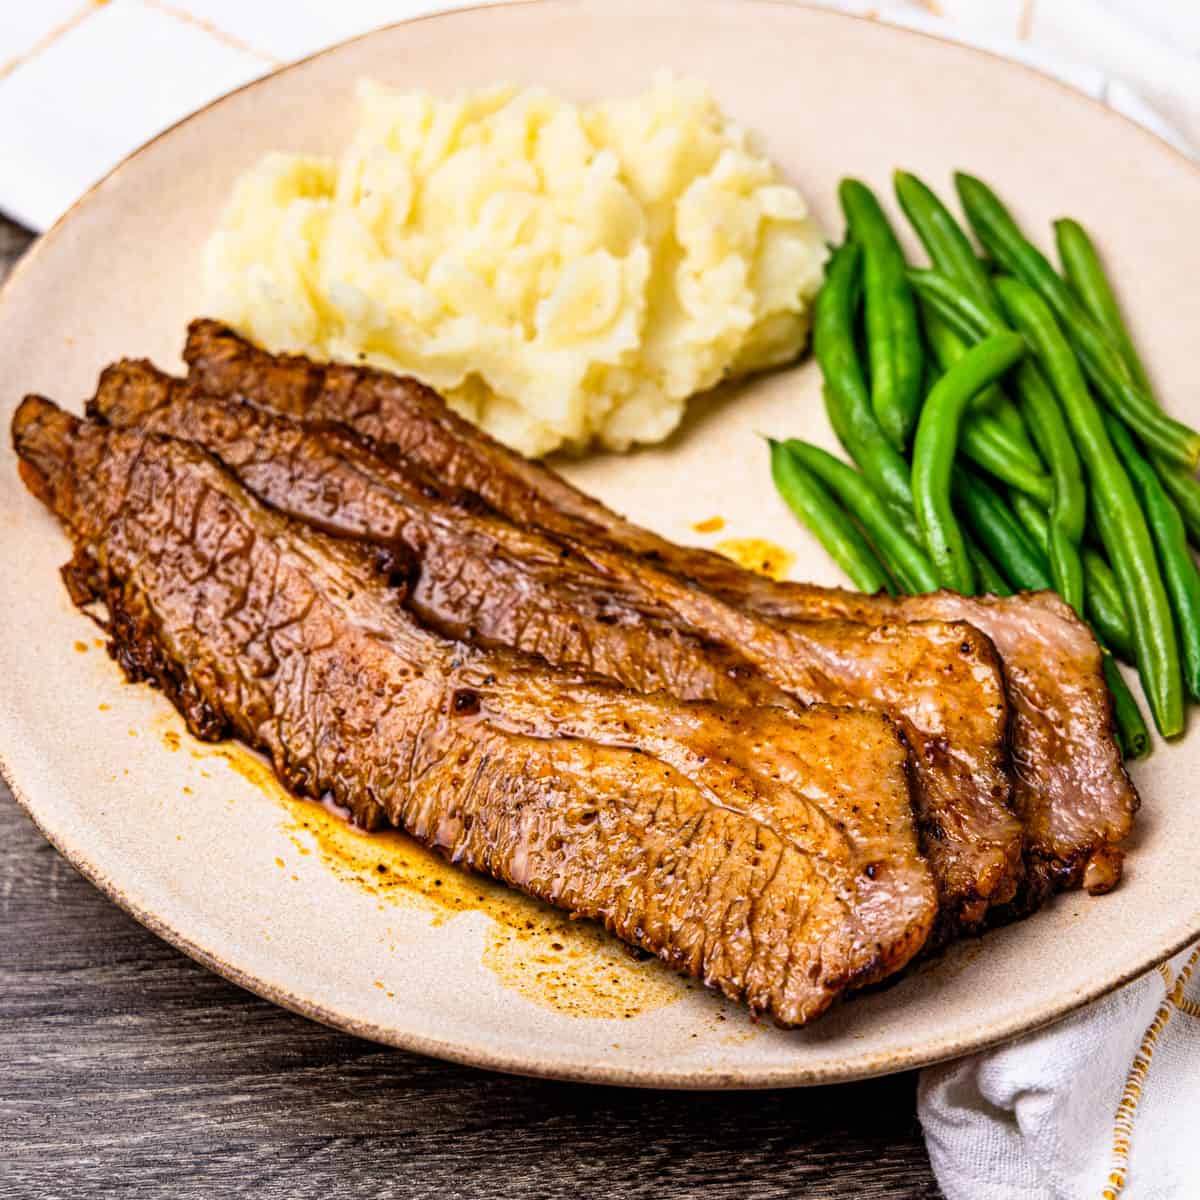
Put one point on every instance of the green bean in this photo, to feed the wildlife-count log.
(1101, 360)
(943, 238)
(1184, 489)
(1132, 734)
(1003, 240)
(893, 336)
(957, 307)
(901, 513)
(1044, 419)
(1107, 371)
(839, 421)
(1066, 567)
(1174, 558)
(813, 505)
(930, 374)
(1103, 607)
(991, 582)
(1039, 409)
(948, 348)
(990, 577)
(1068, 507)
(846, 395)
(1000, 408)
(833, 322)
(1010, 417)
(1119, 517)
(934, 449)
(1019, 560)
(988, 444)
(903, 555)
(1033, 519)
(1084, 271)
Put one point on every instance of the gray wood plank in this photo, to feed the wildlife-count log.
(128, 1070)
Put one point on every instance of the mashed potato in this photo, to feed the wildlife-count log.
(561, 274)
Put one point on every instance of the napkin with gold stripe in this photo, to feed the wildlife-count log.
(1100, 1106)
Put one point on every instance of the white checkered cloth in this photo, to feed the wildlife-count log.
(1105, 1103)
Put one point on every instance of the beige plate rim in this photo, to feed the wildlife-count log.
(862, 1066)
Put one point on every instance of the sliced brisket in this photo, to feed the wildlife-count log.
(576, 603)
(771, 853)
(1071, 788)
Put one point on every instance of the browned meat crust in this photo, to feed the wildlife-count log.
(475, 573)
(771, 853)
(1071, 788)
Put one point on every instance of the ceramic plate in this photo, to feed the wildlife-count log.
(370, 936)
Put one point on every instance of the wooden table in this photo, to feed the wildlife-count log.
(126, 1069)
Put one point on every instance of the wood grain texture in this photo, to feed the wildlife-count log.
(127, 1070)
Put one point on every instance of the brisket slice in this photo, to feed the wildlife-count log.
(770, 853)
(471, 573)
(476, 574)
(1071, 792)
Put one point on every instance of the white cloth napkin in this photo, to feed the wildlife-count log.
(1102, 1105)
